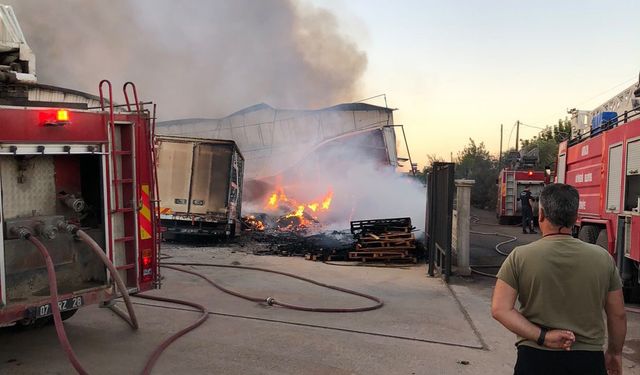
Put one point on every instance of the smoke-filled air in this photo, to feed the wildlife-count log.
(196, 58)
(203, 58)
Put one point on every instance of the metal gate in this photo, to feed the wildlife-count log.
(440, 192)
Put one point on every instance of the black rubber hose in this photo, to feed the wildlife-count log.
(497, 247)
(272, 301)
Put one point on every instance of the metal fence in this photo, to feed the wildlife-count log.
(440, 194)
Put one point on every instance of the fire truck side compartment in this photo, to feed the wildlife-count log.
(31, 189)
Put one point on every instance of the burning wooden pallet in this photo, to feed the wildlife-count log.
(384, 239)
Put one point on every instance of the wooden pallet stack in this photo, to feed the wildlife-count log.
(384, 240)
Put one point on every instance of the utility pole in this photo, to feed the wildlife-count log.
(500, 155)
(517, 135)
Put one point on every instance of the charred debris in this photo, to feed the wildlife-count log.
(379, 240)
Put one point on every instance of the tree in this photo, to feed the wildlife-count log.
(422, 175)
(475, 163)
(547, 142)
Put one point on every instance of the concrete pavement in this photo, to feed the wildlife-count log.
(420, 330)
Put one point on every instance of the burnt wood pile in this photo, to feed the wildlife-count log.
(324, 246)
(384, 240)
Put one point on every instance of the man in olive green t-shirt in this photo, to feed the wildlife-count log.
(563, 285)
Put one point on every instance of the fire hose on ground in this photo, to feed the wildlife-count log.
(497, 249)
(131, 319)
(25, 234)
(272, 301)
(53, 290)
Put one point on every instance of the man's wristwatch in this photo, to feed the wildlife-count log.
(543, 334)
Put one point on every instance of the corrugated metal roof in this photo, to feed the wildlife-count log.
(273, 140)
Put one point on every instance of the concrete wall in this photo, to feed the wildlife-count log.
(461, 227)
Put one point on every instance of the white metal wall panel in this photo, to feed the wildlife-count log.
(633, 157)
(41, 94)
(614, 179)
(31, 191)
(562, 168)
(273, 140)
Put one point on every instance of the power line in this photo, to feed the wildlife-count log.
(510, 134)
(626, 82)
(534, 126)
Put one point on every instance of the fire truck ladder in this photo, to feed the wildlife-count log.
(151, 151)
(124, 199)
(511, 195)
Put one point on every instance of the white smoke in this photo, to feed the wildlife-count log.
(363, 187)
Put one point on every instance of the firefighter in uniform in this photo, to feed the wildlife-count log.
(526, 200)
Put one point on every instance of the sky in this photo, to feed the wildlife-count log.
(458, 69)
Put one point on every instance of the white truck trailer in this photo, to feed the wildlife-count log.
(200, 187)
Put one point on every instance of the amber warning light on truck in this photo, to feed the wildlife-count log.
(55, 118)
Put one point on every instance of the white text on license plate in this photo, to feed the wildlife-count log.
(64, 305)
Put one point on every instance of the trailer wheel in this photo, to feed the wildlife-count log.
(588, 233)
(603, 239)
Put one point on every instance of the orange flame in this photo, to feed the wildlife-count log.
(273, 199)
(326, 203)
(254, 223)
(303, 211)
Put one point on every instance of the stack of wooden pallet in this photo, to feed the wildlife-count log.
(384, 240)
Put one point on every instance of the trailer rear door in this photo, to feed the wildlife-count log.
(175, 160)
(211, 178)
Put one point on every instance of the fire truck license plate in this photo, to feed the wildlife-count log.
(64, 305)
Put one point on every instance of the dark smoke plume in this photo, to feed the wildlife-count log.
(197, 57)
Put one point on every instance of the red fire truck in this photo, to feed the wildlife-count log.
(602, 160)
(70, 164)
(510, 184)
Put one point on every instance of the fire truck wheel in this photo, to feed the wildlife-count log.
(588, 233)
(603, 239)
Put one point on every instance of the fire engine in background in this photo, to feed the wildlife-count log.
(75, 175)
(602, 160)
(200, 186)
(513, 180)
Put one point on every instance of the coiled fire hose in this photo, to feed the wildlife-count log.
(496, 248)
(272, 301)
(24, 233)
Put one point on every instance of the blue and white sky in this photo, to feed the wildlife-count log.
(458, 69)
